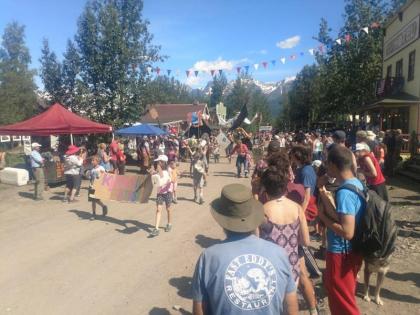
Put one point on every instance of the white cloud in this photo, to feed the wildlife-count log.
(263, 52)
(289, 79)
(289, 42)
(194, 81)
(219, 63)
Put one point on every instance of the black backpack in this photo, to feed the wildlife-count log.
(376, 232)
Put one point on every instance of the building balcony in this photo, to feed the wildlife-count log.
(390, 86)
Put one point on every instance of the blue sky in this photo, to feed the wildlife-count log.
(198, 34)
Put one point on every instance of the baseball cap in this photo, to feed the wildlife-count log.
(339, 135)
(36, 145)
(362, 146)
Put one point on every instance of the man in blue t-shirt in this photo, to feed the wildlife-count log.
(244, 274)
(342, 264)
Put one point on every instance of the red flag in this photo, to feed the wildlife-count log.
(264, 63)
(293, 57)
(348, 38)
(212, 72)
(238, 69)
(158, 70)
(188, 73)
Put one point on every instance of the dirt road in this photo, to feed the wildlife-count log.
(55, 260)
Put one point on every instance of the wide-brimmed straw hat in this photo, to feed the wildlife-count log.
(236, 210)
(72, 149)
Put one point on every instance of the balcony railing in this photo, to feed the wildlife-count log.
(389, 86)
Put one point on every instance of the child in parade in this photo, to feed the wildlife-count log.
(121, 159)
(173, 172)
(95, 173)
(199, 177)
(162, 179)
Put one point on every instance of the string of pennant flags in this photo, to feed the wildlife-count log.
(321, 49)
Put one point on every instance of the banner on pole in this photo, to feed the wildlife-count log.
(124, 188)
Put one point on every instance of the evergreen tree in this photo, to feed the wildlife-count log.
(71, 70)
(51, 73)
(17, 96)
(239, 96)
(115, 49)
(218, 86)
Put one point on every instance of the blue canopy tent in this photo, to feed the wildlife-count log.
(140, 130)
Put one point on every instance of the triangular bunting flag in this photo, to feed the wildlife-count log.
(220, 71)
(149, 69)
(366, 30)
(302, 53)
(273, 62)
(158, 70)
(238, 69)
(321, 48)
(348, 38)
(338, 41)
(375, 25)
(246, 69)
(169, 72)
(293, 57)
(311, 51)
(212, 72)
(196, 73)
(283, 60)
(256, 66)
(188, 73)
(264, 63)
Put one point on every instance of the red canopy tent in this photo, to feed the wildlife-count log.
(55, 121)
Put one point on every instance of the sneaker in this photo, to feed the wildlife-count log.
(64, 200)
(104, 211)
(93, 217)
(201, 201)
(174, 201)
(155, 232)
(168, 228)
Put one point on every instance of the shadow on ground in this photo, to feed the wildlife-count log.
(129, 226)
(164, 311)
(26, 195)
(225, 174)
(205, 241)
(405, 277)
(183, 285)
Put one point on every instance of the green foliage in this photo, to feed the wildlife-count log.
(219, 84)
(239, 96)
(17, 96)
(164, 90)
(51, 74)
(71, 81)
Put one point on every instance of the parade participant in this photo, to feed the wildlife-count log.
(342, 264)
(95, 173)
(83, 156)
(301, 156)
(216, 151)
(243, 270)
(173, 172)
(72, 164)
(37, 164)
(371, 169)
(199, 176)
(162, 180)
(242, 150)
(103, 157)
(143, 155)
(317, 147)
(121, 159)
(380, 153)
(113, 158)
(230, 146)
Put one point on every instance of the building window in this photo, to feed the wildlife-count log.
(411, 63)
(399, 68)
(389, 71)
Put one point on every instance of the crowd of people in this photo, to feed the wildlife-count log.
(298, 185)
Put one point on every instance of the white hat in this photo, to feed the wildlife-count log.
(362, 146)
(317, 163)
(36, 145)
(276, 137)
(162, 158)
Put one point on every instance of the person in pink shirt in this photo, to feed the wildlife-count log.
(242, 151)
(113, 154)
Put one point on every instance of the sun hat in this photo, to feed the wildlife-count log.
(72, 149)
(162, 158)
(362, 146)
(236, 210)
(36, 145)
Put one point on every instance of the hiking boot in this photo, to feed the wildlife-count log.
(104, 211)
(168, 227)
(154, 233)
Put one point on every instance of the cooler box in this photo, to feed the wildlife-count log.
(14, 176)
